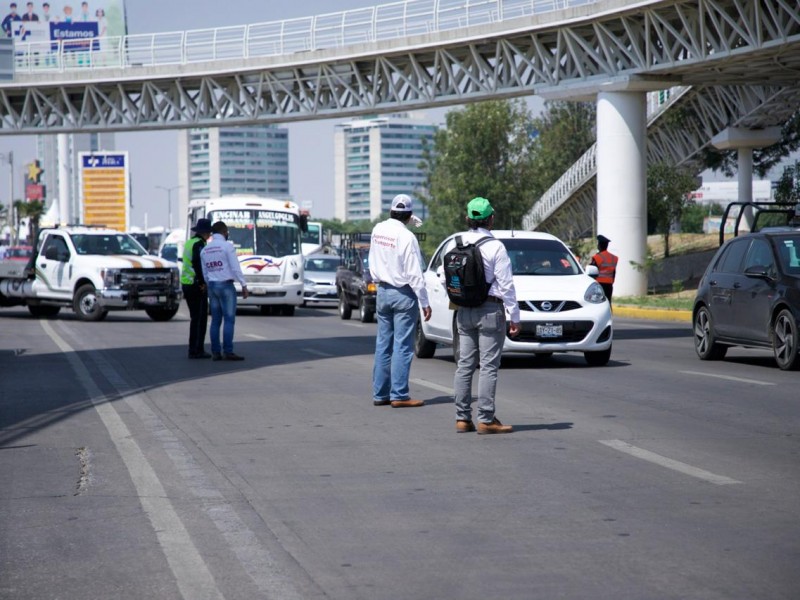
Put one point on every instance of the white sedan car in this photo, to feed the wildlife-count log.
(562, 308)
(319, 281)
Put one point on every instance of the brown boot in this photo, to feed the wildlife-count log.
(494, 427)
(407, 403)
(464, 426)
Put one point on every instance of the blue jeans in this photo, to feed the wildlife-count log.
(397, 314)
(222, 299)
(482, 332)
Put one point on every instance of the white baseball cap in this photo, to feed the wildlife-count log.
(402, 203)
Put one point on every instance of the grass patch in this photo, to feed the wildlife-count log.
(682, 301)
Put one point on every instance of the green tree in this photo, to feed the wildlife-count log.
(32, 211)
(484, 150)
(668, 190)
(787, 188)
(564, 131)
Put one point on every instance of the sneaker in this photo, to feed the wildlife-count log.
(216, 356)
(494, 427)
(464, 426)
(407, 403)
(232, 356)
(381, 402)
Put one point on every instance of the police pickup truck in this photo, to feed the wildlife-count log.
(92, 270)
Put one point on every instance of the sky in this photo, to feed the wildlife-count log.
(153, 154)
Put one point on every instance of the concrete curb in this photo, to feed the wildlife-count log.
(656, 314)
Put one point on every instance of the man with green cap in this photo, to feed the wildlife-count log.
(482, 329)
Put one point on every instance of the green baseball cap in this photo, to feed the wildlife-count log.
(479, 209)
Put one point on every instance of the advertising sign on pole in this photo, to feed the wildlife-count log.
(104, 183)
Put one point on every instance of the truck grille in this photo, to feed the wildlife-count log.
(144, 278)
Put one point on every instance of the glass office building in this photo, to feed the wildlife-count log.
(221, 161)
(375, 159)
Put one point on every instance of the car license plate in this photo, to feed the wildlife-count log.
(258, 292)
(549, 331)
(154, 300)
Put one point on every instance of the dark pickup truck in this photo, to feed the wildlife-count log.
(354, 285)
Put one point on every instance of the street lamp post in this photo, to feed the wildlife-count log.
(169, 191)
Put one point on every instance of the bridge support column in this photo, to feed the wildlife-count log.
(621, 184)
(744, 141)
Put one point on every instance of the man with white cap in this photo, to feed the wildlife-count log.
(395, 263)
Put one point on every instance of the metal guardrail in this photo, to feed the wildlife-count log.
(277, 38)
(586, 166)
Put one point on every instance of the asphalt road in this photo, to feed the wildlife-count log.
(131, 472)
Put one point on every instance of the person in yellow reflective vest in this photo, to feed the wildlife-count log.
(194, 288)
(606, 263)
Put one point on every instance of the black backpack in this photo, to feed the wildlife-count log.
(463, 274)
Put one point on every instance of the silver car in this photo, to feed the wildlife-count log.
(319, 284)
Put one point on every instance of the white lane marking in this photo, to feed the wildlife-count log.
(433, 386)
(191, 573)
(254, 336)
(318, 352)
(727, 377)
(668, 462)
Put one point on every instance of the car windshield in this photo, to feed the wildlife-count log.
(169, 252)
(540, 257)
(261, 232)
(322, 264)
(107, 244)
(789, 253)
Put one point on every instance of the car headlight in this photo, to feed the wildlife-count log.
(176, 277)
(595, 294)
(111, 277)
(308, 282)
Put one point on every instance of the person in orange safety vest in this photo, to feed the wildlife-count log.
(606, 263)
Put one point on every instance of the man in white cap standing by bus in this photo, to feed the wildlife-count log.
(395, 263)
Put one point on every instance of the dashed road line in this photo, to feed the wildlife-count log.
(728, 377)
(256, 337)
(319, 353)
(668, 462)
(433, 386)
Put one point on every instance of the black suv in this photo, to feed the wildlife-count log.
(354, 284)
(750, 296)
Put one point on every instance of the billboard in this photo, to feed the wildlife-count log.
(104, 184)
(65, 20)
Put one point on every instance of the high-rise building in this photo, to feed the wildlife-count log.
(374, 160)
(220, 161)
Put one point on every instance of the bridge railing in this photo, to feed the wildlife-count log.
(277, 38)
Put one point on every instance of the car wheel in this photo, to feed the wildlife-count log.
(364, 313)
(597, 359)
(86, 306)
(704, 339)
(423, 347)
(344, 308)
(785, 341)
(161, 314)
(43, 311)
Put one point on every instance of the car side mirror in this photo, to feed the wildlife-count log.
(592, 271)
(757, 272)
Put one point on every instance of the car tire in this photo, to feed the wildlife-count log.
(599, 358)
(785, 341)
(705, 343)
(365, 314)
(161, 314)
(344, 308)
(43, 311)
(423, 347)
(86, 306)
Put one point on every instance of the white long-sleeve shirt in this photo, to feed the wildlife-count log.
(496, 267)
(220, 262)
(395, 258)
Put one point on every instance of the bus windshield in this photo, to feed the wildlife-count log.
(261, 232)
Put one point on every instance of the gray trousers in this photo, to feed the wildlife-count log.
(482, 331)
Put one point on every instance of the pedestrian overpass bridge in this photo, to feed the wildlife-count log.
(732, 65)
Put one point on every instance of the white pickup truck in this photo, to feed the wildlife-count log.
(92, 270)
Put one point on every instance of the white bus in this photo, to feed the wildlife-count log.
(266, 234)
